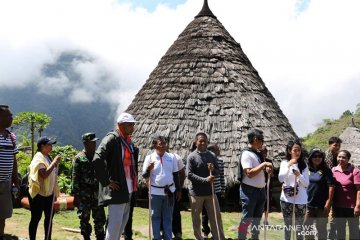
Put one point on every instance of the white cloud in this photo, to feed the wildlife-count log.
(54, 85)
(309, 59)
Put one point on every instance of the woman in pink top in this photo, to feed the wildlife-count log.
(347, 196)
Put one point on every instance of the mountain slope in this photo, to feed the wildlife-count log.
(50, 95)
(330, 128)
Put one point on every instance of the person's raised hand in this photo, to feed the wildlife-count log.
(296, 172)
(57, 159)
(150, 166)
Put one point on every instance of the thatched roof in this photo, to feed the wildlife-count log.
(351, 142)
(205, 82)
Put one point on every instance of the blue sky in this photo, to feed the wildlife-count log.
(302, 5)
(151, 4)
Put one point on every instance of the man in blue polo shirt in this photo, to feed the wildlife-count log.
(8, 166)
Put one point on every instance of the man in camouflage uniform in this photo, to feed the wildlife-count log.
(85, 190)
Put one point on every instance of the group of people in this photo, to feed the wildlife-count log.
(312, 188)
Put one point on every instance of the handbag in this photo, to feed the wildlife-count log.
(290, 190)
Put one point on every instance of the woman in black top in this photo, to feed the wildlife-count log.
(320, 194)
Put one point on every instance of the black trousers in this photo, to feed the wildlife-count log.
(176, 220)
(38, 205)
(343, 215)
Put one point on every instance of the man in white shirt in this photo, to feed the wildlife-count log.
(162, 170)
(252, 187)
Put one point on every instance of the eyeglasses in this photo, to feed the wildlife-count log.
(161, 143)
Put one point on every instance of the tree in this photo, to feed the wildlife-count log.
(346, 114)
(357, 111)
(34, 121)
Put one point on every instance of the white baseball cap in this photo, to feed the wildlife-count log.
(126, 117)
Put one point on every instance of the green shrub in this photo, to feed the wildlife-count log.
(64, 184)
(23, 161)
(68, 153)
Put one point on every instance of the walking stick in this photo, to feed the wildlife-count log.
(293, 212)
(52, 205)
(213, 198)
(267, 206)
(150, 210)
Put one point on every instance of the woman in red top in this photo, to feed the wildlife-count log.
(347, 196)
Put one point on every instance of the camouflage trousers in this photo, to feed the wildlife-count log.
(86, 207)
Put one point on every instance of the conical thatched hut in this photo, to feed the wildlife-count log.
(351, 142)
(205, 82)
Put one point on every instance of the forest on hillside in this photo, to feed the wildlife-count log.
(332, 127)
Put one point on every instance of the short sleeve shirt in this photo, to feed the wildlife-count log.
(51, 177)
(180, 162)
(330, 159)
(162, 174)
(250, 160)
(7, 152)
(318, 189)
(345, 191)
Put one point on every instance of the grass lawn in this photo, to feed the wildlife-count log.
(17, 226)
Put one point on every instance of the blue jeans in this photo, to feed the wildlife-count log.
(161, 209)
(252, 201)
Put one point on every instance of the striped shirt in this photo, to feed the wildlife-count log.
(7, 152)
(219, 182)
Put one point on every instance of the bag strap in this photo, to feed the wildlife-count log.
(240, 168)
(257, 153)
(12, 137)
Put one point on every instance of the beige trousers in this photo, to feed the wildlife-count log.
(197, 203)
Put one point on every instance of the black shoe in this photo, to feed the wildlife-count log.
(100, 236)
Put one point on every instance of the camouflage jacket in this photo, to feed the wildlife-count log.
(330, 159)
(84, 182)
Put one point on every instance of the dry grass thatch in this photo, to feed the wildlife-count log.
(205, 82)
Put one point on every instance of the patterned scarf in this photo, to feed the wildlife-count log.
(128, 159)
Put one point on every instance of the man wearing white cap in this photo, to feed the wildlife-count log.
(115, 168)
